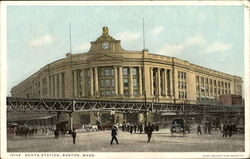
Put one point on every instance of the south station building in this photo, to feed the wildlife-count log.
(108, 72)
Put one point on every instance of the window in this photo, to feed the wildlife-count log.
(102, 72)
(211, 81)
(112, 71)
(135, 71)
(214, 82)
(107, 83)
(125, 82)
(202, 80)
(107, 92)
(135, 92)
(184, 75)
(197, 88)
(206, 81)
(197, 79)
(103, 93)
(125, 71)
(88, 73)
(107, 72)
(102, 83)
(88, 83)
(135, 82)
(112, 83)
(126, 92)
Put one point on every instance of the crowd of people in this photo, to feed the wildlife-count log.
(226, 129)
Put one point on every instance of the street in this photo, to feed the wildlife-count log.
(99, 141)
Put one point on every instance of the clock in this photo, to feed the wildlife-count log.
(105, 45)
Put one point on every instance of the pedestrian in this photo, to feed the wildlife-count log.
(113, 135)
(56, 133)
(131, 128)
(224, 130)
(140, 128)
(199, 130)
(135, 128)
(230, 129)
(149, 129)
(74, 136)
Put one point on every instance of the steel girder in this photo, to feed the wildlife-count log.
(15, 104)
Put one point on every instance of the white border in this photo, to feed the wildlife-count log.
(143, 155)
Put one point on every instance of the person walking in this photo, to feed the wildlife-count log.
(74, 136)
(149, 129)
(199, 130)
(113, 134)
(56, 133)
(225, 130)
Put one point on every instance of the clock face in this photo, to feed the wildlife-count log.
(105, 45)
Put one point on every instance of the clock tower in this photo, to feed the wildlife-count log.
(105, 43)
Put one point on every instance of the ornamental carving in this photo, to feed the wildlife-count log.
(105, 35)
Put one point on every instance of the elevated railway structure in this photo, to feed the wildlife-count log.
(59, 106)
(15, 104)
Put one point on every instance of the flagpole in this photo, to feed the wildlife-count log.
(70, 38)
(143, 33)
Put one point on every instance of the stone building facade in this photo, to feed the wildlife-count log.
(108, 72)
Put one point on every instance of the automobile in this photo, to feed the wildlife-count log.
(179, 126)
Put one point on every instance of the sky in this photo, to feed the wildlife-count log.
(209, 36)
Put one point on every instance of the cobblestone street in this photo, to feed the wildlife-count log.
(161, 141)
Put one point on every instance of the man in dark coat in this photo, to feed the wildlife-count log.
(56, 133)
(113, 134)
(149, 129)
(74, 136)
(199, 130)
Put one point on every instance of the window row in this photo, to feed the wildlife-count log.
(202, 81)
(215, 90)
(182, 85)
(182, 75)
(126, 71)
(182, 95)
(105, 83)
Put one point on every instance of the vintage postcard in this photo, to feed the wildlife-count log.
(125, 80)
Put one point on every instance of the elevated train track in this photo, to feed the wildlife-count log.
(16, 104)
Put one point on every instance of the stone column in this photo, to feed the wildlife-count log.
(96, 82)
(140, 80)
(152, 80)
(158, 81)
(131, 81)
(56, 85)
(68, 84)
(60, 94)
(83, 83)
(91, 82)
(48, 87)
(121, 91)
(171, 83)
(116, 81)
(75, 82)
(52, 85)
(166, 82)
(41, 88)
